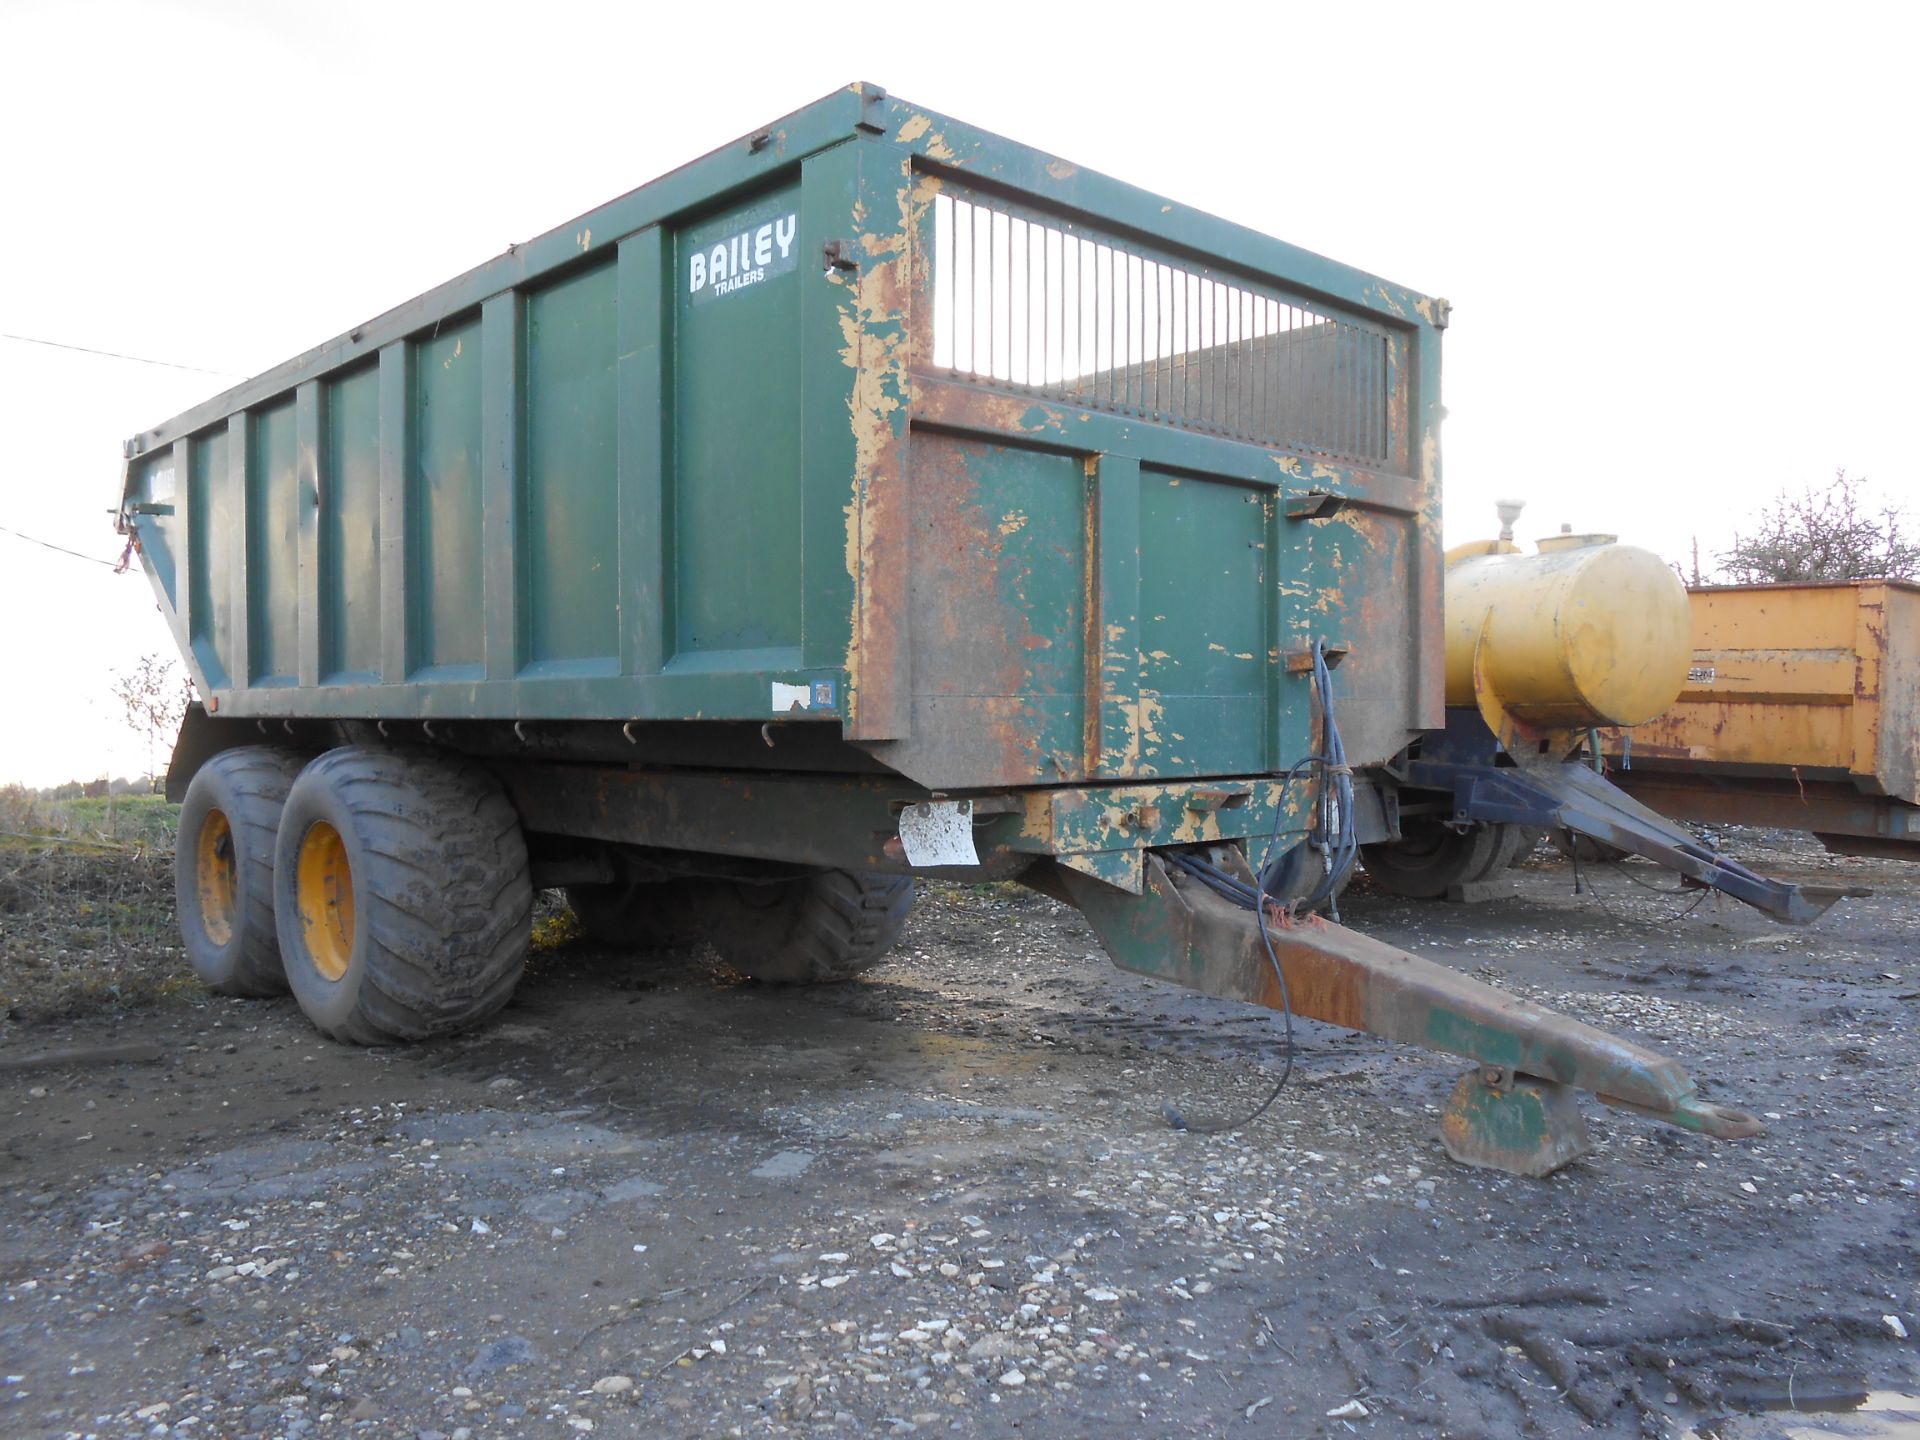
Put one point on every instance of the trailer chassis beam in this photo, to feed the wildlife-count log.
(1514, 1112)
(1463, 761)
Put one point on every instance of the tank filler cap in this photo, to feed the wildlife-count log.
(1509, 512)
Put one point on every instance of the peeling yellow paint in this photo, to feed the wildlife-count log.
(1061, 169)
(876, 350)
(1150, 711)
(584, 238)
(1012, 522)
(915, 127)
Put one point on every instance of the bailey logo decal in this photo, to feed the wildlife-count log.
(749, 256)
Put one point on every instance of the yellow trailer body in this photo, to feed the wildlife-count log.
(1801, 709)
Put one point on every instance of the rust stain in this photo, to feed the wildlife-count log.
(876, 349)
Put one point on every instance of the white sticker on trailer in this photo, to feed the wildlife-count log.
(938, 832)
(752, 255)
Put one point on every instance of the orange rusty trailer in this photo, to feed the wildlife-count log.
(1801, 710)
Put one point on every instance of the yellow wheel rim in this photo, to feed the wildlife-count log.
(216, 873)
(323, 883)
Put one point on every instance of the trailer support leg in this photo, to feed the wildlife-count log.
(1516, 1123)
(1182, 931)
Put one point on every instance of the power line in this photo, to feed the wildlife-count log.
(116, 355)
(49, 545)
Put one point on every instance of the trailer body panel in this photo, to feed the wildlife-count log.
(1008, 472)
(1801, 710)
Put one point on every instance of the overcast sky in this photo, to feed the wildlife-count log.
(1679, 239)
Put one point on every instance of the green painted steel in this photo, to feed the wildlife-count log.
(1520, 1126)
(350, 530)
(872, 419)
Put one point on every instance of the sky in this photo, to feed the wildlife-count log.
(1676, 237)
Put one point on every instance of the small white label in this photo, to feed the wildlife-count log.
(791, 697)
(1700, 675)
(938, 832)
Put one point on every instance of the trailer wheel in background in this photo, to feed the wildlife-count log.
(402, 894)
(1530, 837)
(639, 914)
(1508, 842)
(806, 929)
(223, 868)
(1431, 858)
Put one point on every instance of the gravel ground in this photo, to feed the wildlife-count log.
(652, 1199)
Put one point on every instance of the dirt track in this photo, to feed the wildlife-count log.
(945, 1199)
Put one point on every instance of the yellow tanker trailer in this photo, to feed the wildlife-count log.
(1544, 650)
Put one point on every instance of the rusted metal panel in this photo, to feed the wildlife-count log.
(1802, 708)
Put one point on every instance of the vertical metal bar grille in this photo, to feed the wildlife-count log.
(1042, 307)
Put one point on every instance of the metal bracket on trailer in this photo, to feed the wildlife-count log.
(1513, 1113)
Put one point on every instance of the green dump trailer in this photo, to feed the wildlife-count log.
(871, 498)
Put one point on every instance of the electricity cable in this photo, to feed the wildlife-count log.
(1344, 847)
(61, 549)
(117, 355)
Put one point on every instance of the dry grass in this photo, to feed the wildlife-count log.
(86, 907)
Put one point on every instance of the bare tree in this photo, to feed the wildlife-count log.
(1824, 532)
(155, 696)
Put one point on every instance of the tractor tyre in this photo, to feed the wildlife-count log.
(402, 894)
(223, 869)
(806, 929)
(1507, 843)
